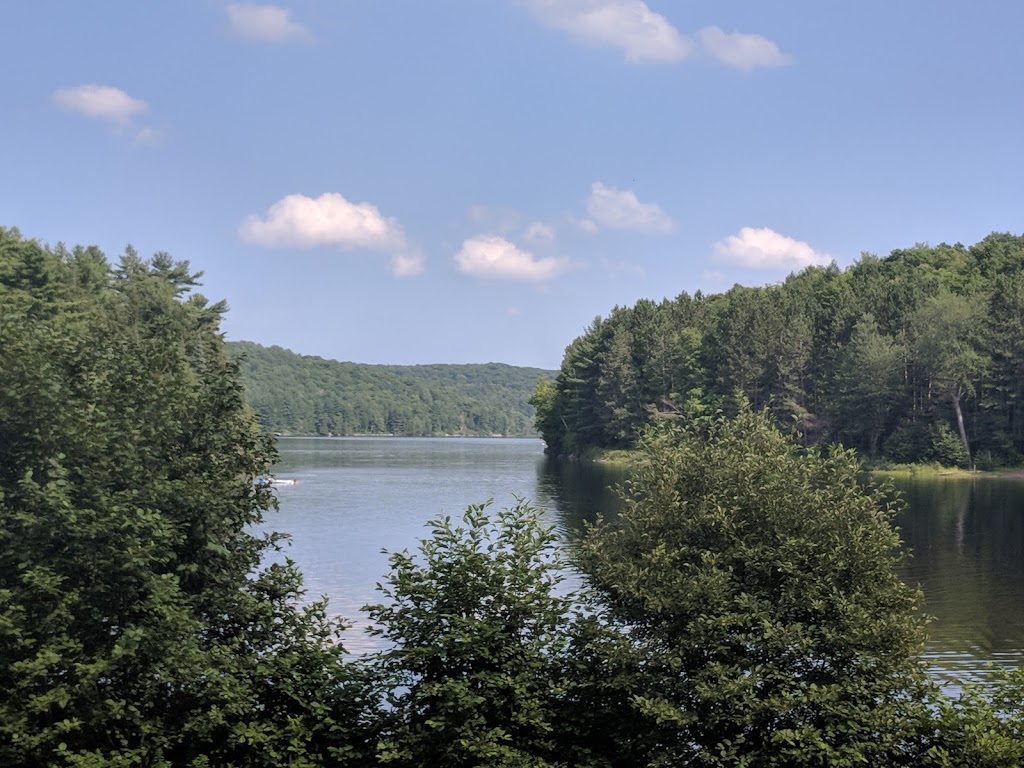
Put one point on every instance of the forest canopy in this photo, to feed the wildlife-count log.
(742, 610)
(917, 356)
(308, 395)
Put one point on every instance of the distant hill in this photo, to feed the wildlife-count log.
(306, 395)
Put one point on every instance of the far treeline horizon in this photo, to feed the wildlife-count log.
(914, 357)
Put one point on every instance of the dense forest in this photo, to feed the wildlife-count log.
(742, 610)
(914, 357)
(300, 394)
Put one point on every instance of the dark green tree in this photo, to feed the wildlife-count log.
(756, 586)
(947, 348)
(137, 625)
(868, 385)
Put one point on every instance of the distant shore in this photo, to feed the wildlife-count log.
(388, 434)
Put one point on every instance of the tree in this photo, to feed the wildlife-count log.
(1004, 319)
(548, 421)
(756, 585)
(947, 347)
(477, 635)
(868, 384)
(137, 624)
(983, 727)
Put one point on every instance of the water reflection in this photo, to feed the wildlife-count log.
(967, 543)
(965, 537)
(578, 491)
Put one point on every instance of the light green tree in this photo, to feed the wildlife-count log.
(477, 634)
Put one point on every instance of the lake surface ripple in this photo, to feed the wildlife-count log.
(357, 496)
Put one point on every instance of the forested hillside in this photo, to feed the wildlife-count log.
(917, 356)
(299, 394)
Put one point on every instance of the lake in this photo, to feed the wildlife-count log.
(357, 496)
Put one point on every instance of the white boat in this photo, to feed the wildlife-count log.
(276, 482)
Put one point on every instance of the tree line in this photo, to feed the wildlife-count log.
(742, 610)
(308, 395)
(914, 357)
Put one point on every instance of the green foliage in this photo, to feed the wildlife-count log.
(871, 357)
(868, 383)
(298, 394)
(547, 420)
(136, 625)
(745, 609)
(477, 635)
(756, 585)
(946, 447)
(983, 727)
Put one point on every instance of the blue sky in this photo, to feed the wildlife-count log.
(415, 181)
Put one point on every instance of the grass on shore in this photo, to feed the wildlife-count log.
(618, 457)
(932, 469)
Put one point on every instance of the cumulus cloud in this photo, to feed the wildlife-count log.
(765, 248)
(298, 221)
(495, 258)
(611, 208)
(266, 23)
(407, 263)
(742, 51)
(629, 25)
(643, 35)
(103, 102)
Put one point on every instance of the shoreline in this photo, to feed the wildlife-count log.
(617, 457)
(390, 435)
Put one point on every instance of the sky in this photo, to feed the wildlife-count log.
(427, 181)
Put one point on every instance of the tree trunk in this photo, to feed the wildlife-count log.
(960, 425)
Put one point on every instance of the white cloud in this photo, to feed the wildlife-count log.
(407, 263)
(266, 23)
(644, 35)
(495, 258)
(741, 51)
(612, 208)
(146, 136)
(765, 248)
(103, 102)
(630, 25)
(539, 233)
(299, 221)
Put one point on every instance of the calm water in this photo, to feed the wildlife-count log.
(357, 496)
